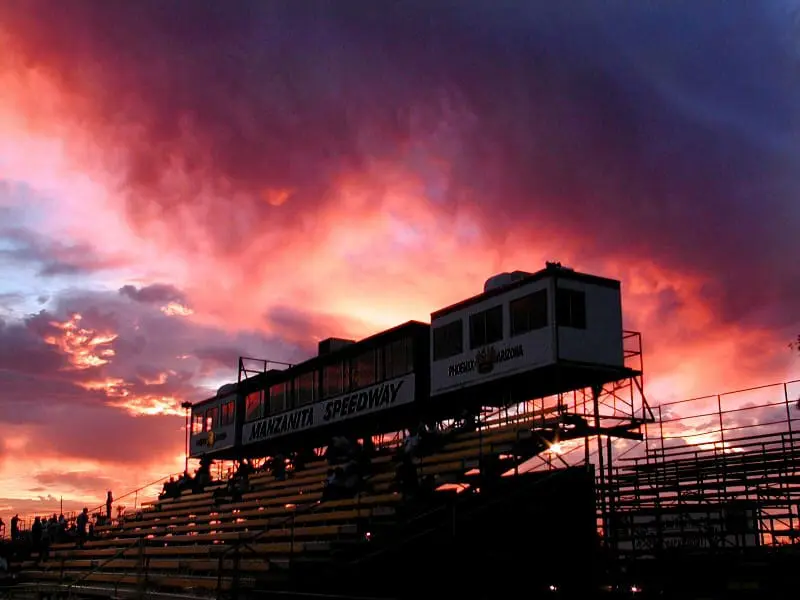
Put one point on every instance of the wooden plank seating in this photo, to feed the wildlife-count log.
(293, 497)
(324, 512)
(192, 502)
(310, 479)
(156, 564)
(266, 481)
(228, 536)
(186, 498)
(185, 543)
(306, 486)
(133, 551)
(263, 522)
(440, 464)
(125, 578)
(298, 498)
(242, 511)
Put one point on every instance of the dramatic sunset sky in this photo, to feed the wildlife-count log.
(182, 182)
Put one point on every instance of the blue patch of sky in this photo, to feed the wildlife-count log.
(22, 287)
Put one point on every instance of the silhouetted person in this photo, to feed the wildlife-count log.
(302, 458)
(406, 476)
(15, 527)
(62, 527)
(339, 450)
(278, 466)
(469, 422)
(109, 500)
(491, 471)
(203, 475)
(83, 523)
(48, 531)
(36, 536)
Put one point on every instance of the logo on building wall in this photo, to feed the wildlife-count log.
(485, 360)
(211, 438)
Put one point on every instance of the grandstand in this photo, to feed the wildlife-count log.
(705, 505)
(716, 502)
(282, 535)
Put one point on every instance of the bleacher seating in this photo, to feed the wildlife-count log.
(198, 542)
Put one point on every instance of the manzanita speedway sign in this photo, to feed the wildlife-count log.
(382, 396)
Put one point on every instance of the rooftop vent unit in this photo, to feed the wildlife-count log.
(333, 345)
(556, 266)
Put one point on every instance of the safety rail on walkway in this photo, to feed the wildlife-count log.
(26, 521)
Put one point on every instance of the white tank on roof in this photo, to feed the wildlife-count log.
(503, 279)
(226, 389)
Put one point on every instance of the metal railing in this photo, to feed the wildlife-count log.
(139, 542)
(26, 521)
(719, 450)
(247, 544)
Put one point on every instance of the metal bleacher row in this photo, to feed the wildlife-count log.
(195, 544)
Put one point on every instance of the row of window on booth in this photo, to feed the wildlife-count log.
(525, 314)
(338, 377)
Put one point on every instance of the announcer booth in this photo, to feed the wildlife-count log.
(214, 424)
(355, 388)
(528, 335)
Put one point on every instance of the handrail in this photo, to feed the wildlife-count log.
(136, 491)
(25, 518)
(119, 553)
(306, 508)
(245, 543)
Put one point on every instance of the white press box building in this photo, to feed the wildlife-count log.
(529, 335)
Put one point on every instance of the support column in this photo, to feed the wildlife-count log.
(596, 391)
(187, 406)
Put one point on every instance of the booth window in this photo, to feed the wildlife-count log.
(254, 406)
(211, 418)
(227, 414)
(332, 380)
(398, 358)
(277, 398)
(306, 388)
(197, 423)
(528, 313)
(486, 327)
(362, 370)
(448, 340)
(571, 308)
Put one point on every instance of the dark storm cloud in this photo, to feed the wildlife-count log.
(155, 293)
(664, 131)
(154, 356)
(51, 257)
(72, 479)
